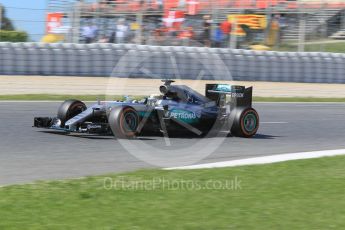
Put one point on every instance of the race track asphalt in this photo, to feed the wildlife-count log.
(28, 154)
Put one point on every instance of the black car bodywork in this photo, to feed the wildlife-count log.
(178, 109)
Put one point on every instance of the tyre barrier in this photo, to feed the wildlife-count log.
(143, 61)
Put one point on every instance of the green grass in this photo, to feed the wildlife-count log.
(305, 194)
(338, 47)
(55, 97)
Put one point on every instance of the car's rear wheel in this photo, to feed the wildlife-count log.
(68, 109)
(245, 122)
(124, 122)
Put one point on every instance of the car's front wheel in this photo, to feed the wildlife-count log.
(68, 109)
(124, 122)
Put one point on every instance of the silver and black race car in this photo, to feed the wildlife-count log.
(177, 110)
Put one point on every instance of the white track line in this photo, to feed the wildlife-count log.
(266, 159)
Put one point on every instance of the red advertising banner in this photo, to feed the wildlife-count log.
(54, 20)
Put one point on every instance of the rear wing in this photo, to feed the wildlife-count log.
(240, 95)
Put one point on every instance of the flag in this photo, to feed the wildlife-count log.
(54, 21)
(173, 19)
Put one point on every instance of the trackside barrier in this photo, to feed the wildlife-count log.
(128, 60)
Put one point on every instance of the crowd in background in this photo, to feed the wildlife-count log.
(205, 33)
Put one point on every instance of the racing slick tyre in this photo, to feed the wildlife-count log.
(69, 109)
(124, 122)
(245, 122)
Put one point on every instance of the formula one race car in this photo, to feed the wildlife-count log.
(178, 109)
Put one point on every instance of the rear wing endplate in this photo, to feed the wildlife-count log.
(240, 95)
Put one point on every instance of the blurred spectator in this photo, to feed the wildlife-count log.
(273, 37)
(187, 33)
(160, 4)
(89, 33)
(283, 25)
(158, 36)
(103, 39)
(112, 37)
(226, 28)
(282, 21)
(121, 31)
(218, 37)
(206, 30)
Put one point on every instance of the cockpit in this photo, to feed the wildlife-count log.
(182, 94)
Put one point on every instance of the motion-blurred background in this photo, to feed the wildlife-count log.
(283, 25)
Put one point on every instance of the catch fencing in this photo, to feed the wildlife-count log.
(142, 61)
